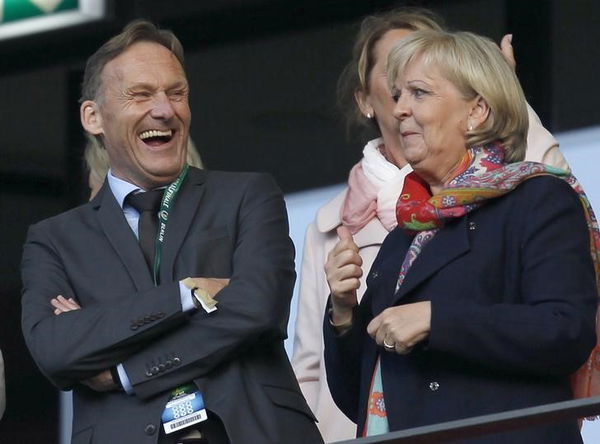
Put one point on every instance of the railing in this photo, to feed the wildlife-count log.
(488, 424)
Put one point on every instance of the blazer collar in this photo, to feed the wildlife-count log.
(124, 242)
(184, 212)
(328, 218)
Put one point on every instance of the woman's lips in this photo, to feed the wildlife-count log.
(408, 133)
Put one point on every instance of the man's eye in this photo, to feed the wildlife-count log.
(178, 95)
(140, 95)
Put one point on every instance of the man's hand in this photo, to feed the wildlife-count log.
(400, 328)
(103, 381)
(63, 305)
(211, 285)
(343, 270)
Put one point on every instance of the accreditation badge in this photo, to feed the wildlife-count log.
(185, 408)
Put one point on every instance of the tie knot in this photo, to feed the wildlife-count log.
(147, 201)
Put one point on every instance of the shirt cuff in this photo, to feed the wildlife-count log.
(187, 300)
(125, 382)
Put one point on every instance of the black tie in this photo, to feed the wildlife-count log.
(147, 204)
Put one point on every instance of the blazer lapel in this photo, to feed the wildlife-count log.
(180, 220)
(120, 236)
(383, 276)
(449, 243)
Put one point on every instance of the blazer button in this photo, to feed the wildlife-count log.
(149, 374)
(176, 361)
(154, 370)
(374, 275)
(168, 364)
(150, 429)
(433, 386)
(161, 367)
(134, 326)
(472, 226)
(160, 315)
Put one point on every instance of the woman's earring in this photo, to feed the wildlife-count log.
(470, 127)
(369, 116)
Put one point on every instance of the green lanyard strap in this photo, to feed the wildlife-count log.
(166, 206)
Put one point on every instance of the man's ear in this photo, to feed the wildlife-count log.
(479, 112)
(91, 119)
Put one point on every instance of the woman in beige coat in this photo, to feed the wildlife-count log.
(367, 205)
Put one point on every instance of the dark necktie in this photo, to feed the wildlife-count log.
(147, 205)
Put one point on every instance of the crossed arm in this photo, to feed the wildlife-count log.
(72, 345)
(104, 381)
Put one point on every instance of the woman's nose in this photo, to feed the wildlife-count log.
(401, 108)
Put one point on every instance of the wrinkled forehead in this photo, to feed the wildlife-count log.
(144, 62)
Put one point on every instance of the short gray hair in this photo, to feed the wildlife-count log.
(136, 31)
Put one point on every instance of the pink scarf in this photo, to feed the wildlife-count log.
(374, 185)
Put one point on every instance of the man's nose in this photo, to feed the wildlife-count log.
(162, 107)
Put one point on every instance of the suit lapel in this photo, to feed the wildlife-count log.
(180, 220)
(120, 236)
(449, 243)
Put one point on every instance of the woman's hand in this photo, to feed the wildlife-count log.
(400, 328)
(343, 270)
(507, 50)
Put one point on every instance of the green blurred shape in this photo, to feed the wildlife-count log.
(23, 9)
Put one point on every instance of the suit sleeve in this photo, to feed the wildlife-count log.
(551, 331)
(79, 344)
(343, 359)
(253, 309)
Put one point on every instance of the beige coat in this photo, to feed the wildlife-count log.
(320, 238)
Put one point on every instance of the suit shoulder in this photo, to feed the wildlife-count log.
(65, 218)
(235, 179)
(545, 187)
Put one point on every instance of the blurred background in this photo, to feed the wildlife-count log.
(263, 76)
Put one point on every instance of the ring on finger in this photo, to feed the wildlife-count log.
(389, 347)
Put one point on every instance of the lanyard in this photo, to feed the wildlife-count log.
(166, 206)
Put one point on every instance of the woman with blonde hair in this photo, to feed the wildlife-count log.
(367, 205)
(484, 297)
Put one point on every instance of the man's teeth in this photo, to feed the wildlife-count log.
(155, 133)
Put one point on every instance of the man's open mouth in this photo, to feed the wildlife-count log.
(156, 137)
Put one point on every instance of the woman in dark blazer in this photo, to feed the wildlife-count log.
(484, 298)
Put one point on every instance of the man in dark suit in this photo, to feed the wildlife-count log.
(136, 331)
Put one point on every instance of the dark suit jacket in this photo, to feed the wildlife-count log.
(513, 302)
(225, 225)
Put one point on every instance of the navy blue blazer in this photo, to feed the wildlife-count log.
(513, 299)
